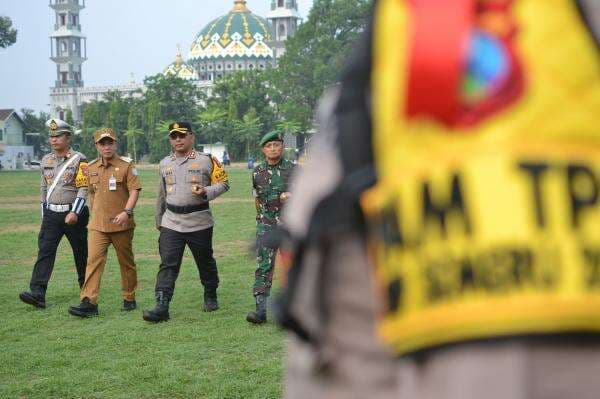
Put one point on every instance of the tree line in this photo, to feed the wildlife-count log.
(244, 105)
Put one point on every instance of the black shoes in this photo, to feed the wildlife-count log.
(85, 309)
(128, 306)
(210, 301)
(36, 299)
(160, 311)
(260, 315)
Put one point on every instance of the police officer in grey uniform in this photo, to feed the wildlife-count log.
(189, 180)
(64, 210)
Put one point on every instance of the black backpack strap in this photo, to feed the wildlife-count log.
(340, 211)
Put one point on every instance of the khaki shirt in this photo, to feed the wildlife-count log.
(105, 204)
(72, 184)
(177, 177)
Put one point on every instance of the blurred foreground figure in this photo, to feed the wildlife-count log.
(446, 230)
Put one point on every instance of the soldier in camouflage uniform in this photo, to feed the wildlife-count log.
(270, 186)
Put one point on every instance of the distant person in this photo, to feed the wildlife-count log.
(64, 211)
(114, 189)
(270, 184)
(226, 160)
(189, 180)
(0, 165)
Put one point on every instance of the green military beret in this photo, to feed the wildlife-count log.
(271, 136)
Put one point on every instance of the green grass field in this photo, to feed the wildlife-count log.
(50, 354)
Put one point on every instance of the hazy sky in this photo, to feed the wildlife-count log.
(123, 37)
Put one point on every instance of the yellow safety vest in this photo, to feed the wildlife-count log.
(485, 221)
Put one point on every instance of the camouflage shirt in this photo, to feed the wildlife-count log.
(268, 183)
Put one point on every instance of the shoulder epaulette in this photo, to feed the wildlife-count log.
(94, 161)
(126, 159)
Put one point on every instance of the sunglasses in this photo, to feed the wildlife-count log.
(175, 135)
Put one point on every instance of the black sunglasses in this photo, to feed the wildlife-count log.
(176, 135)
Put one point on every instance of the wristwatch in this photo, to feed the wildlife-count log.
(129, 212)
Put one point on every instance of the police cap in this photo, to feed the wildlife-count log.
(180, 127)
(271, 136)
(57, 127)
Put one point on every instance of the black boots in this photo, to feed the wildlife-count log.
(85, 309)
(128, 306)
(35, 297)
(260, 316)
(160, 312)
(210, 300)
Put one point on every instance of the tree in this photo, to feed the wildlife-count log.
(288, 127)
(315, 55)
(167, 99)
(8, 34)
(212, 123)
(133, 130)
(36, 124)
(247, 130)
(241, 94)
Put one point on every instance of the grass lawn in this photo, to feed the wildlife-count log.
(50, 354)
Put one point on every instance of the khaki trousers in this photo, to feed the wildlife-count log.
(98, 243)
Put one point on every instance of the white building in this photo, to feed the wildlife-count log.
(13, 149)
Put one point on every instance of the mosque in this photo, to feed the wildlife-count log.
(237, 41)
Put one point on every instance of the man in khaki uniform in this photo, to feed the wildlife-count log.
(114, 189)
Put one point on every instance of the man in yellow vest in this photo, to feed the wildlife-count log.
(467, 185)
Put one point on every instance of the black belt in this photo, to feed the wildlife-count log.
(187, 208)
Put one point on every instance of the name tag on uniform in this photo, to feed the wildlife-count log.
(112, 184)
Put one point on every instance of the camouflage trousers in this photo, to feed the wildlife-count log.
(265, 258)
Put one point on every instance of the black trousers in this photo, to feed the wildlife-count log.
(52, 230)
(171, 245)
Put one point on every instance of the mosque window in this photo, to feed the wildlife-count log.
(63, 19)
(279, 3)
(210, 67)
(281, 30)
(251, 66)
(240, 66)
(219, 67)
(63, 48)
(229, 66)
(63, 77)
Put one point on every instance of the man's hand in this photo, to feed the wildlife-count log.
(71, 218)
(198, 190)
(121, 219)
(285, 196)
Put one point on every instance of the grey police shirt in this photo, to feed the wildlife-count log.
(177, 177)
(73, 182)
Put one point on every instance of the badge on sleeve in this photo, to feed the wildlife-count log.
(81, 180)
(218, 174)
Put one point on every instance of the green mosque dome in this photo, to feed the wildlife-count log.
(237, 35)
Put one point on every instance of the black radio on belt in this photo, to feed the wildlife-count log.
(187, 208)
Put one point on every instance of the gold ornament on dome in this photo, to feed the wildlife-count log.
(239, 6)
